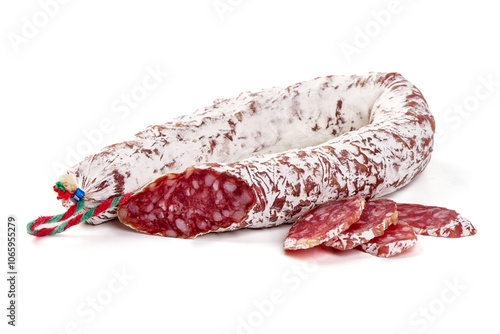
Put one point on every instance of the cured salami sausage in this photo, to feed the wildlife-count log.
(350, 135)
(376, 217)
(270, 121)
(435, 221)
(323, 223)
(396, 239)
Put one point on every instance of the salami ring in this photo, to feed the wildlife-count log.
(324, 223)
(377, 216)
(397, 238)
(435, 221)
(279, 153)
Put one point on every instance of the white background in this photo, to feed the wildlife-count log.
(63, 78)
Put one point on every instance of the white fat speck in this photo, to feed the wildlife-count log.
(149, 208)
(229, 187)
(170, 233)
(209, 180)
(181, 225)
(217, 216)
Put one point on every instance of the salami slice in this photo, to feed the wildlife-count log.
(396, 239)
(324, 139)
(375, 219)
(323, 223)
(370, 161)
(435, 221)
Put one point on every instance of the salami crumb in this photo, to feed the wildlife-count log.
(435, 221)
(188, 204)
(323, 223)
(376, 217)
(396, 239)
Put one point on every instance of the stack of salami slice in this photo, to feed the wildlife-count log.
(379, 227)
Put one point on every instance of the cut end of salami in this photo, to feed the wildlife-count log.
(324, 223)
(396, 239)
(376, 217)
(188, 204)
(435, 221)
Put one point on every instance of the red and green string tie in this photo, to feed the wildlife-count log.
(69, 218)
